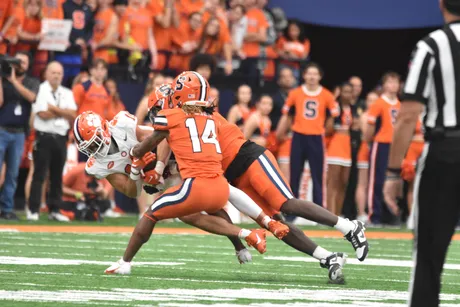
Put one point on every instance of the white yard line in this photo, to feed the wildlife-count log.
(54, 261)
(190, 296)
(368, 261)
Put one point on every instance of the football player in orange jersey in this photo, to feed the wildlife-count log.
(192, 135)
(307, 106)
(254, 170)
(380, 120)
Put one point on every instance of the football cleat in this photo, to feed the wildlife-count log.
(257, 240)
(278, 229)
(357, 238)
(244, 256)
(334, 263)
(120, 267)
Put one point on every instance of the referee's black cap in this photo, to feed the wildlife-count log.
(453, 6)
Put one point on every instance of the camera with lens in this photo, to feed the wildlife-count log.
(6, 64)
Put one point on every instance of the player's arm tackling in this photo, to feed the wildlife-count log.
(149, 143)
(125, 185)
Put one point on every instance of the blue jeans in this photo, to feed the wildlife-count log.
(11, 148)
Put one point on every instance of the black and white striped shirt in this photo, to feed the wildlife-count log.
(434, 77)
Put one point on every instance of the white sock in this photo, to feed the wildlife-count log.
(266, 220)
(244, 203)
(244, 233)
(321, 253)
(344, 225)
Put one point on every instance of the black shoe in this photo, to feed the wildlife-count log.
(334, 263)
(9, 216)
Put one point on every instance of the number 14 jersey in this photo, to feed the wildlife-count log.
(193, 139)
(309, 109)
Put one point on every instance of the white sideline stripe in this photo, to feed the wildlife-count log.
(54, 261)
(368, 261)
(169, 296)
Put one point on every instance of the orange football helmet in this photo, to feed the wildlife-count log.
(190, 88)
(92, 134)
(159, 99)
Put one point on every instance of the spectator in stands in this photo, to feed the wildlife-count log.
(56, 109)
(363, 163)
(186, 7)
(6, 10)
(119, 7)
(293, 47)
(92, 95)
(185, 40)
(357, 84)
(240, 111)
(105, 32)
(142, 107)
(116, 105)
(17, 93)
(166, 19)
(339, 153)
(214, 96)
(53, 9)
(30, 27)
(212, 11)
(286, 82)
(256, 35)
(211, 41)
(258, 125)
(203, 64)
(137, 24)
(81, 188)
(10, 29)
(82, 27)
(238, 26)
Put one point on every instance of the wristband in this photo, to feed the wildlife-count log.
(394, 170)
(135, 174)
(159, 168)
(78, 195)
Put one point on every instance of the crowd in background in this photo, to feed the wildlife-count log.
(343, 134)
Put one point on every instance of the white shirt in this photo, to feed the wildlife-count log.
(61, 98)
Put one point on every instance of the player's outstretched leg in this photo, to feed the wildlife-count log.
(297, 239)
(221, 224)
(352, 230)
(246, 205)
(241, 252)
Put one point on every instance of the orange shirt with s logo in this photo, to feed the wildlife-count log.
(383, 114)
(309, 109)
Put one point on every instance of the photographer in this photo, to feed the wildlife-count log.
(79, 187)
(17, 93)
(56, 109)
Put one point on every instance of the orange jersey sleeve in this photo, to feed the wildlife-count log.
(374, 112)
(6, 9)
(383, 115)
(194, 140)
(230, 138)
(78, 94)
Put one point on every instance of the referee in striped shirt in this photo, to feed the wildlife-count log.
(433, 85)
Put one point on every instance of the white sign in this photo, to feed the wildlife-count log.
(55, 34)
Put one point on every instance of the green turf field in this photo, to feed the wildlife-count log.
(66, 269)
